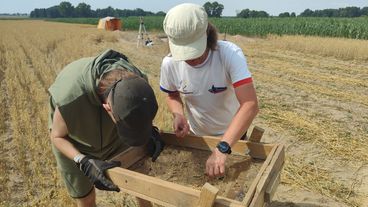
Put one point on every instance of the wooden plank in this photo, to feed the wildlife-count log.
(271, 187)
(255, 150)
(160, 191)
(252, 189)
(274, 167)
(257, 134)
(127, 159)
(130, 156)
(208, 195)
(144, 203)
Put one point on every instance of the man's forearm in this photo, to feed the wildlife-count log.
(65, 147)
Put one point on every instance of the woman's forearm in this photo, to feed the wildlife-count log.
(175, 104)
(241, 122)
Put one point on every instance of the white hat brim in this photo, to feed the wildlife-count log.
(189, 51)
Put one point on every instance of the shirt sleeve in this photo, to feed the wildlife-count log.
(167, 82)
(236, 65)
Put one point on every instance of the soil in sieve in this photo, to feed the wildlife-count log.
(186, 166)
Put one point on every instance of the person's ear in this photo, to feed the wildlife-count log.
(107, 107)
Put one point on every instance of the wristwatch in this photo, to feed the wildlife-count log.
(78, 158)
(224, 147)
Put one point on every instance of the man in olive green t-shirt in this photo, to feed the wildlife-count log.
(98, 107)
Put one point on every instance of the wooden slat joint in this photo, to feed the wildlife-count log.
(257, 134)
(208, 195)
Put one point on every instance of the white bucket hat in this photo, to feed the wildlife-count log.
(186, 27)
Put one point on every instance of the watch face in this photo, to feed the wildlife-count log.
(223, 147)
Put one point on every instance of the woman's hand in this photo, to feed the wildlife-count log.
(215, 165)
(181, 126)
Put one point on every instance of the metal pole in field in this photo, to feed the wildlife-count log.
(140, 31)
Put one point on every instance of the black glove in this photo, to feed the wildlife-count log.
(155, 144)
(95, 170)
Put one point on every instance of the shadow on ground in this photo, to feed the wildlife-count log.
(291, 204)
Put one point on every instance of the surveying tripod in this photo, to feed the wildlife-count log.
(142, 31)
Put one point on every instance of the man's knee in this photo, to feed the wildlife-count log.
(87, 201)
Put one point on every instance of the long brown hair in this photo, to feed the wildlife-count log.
(211, 36)
(109, 78)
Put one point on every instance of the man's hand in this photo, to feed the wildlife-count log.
(181, 126)
(155, 144)
(215, 165)
(95, 170)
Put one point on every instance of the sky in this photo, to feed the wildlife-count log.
(273, 7)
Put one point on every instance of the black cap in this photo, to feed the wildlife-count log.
(134, 107)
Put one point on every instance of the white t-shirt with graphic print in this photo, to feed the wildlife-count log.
(208, 89)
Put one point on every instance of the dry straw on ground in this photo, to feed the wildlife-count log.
(312, 93)
(341, 48)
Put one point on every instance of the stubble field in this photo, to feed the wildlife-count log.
(313, 95)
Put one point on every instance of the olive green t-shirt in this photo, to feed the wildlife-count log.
(90, 128)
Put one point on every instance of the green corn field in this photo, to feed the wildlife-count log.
(354, 28)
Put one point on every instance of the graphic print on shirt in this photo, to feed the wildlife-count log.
(215, 90)
(184, 88)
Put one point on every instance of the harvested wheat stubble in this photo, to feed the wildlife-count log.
(186, 166)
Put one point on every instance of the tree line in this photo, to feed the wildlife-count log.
(342, 12)
(66, 9)
(14, 14)
(213, 9)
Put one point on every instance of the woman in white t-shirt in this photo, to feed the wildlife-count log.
(213, 79)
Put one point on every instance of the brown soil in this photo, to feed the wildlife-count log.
(186, 166)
